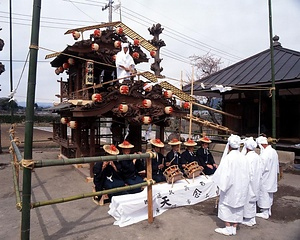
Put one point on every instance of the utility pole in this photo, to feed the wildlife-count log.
(109, 6)
(10, 61)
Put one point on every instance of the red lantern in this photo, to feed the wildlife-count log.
(153, 53)
(119, 30)
(114, 57)
(186, 105)
(97, 33)
(117, 44)
(76, 35)
(146, 119)
(168, 94)
(57, 71)
(95, 47)
(97, 97)
(64, 120)
(147, 103)
(147, 87)
(168, 110)
(136, 42)
(65, 66)
(123, 108)
(71, 61)
(61, 69)
(124, 89)
(135, 55)
(72, 124)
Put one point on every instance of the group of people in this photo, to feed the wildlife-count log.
(112, 174)
(245, 180)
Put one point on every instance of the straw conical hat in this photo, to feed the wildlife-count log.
(190, 143)
(205, 139)
(174, 141)
(111, 149)
(126, 144)
(157, 143)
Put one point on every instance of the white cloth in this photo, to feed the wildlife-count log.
(232, 177)
(125, 60)
(229, 214)
(132, 208)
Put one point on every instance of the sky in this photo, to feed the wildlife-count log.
(231, 30)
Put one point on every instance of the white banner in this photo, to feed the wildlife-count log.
(133, 208)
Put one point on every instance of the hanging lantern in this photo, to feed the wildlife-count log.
(153, 53)
(168, 94)
(97, 97)
(123, 108)
(124, 89)
(147, 87)
(97, 33)
(76, 35)
(114, 57)
(168, 110)
(135, 55)
(64, 120)
(117, 44)
(72, 124)
(119, 30)
(71, 61)
(146, 119)
(186, 105)
(136, 42)
(147, 103)
(61, 69)
(95, 47)
(66, 66)
(57, 71)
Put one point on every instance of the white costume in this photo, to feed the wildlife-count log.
(232, 178)
(124, 60)
(255, 169)
(270, 170)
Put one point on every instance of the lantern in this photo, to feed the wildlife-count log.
(76, 35)
(72, 124)
(168, 94)
(95, 47)
(97, 33)
(71, 61)
(153, 53)
(65, 66)
(146, 119)
(168, 110)
(136, 42)
(117, 44)
(147, 103)
(186, 105)
(114, 57)
(64, 120)
(61, 69)
(135, 55)
(124, 89)
(96, 97)
(147, 87)
(119, 30)
(123, 108)
(57, 71)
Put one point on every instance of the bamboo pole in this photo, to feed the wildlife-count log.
(57, 162)
(16, 149)
(191, 106)
(149, 191)
(16, 187)
(91, 194)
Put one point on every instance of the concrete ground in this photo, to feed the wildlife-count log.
(82, 219)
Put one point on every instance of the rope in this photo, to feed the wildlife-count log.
(150, 182)
(27, 163)
(270, 91)
(19, 206)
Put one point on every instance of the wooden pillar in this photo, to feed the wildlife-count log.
(149, 191)
(92, 147)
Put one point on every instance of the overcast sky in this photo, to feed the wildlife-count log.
(231, 30)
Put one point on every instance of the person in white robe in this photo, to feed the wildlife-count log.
(255, 167)
(270, 170)
(124, 63)
(232, 178)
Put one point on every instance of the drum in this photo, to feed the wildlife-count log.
(193, 169)
(173, 174)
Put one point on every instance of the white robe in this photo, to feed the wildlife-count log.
(270, 170)
(232, 177)
(255, 169)
(125, 60)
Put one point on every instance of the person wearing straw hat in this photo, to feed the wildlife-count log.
(124, 62)
(129, 168)
(270, 170)
(174, 157)
(255, 176)
(232, 178)
(106, 174)
(206, 159)
(188, 155)
(158, 163)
